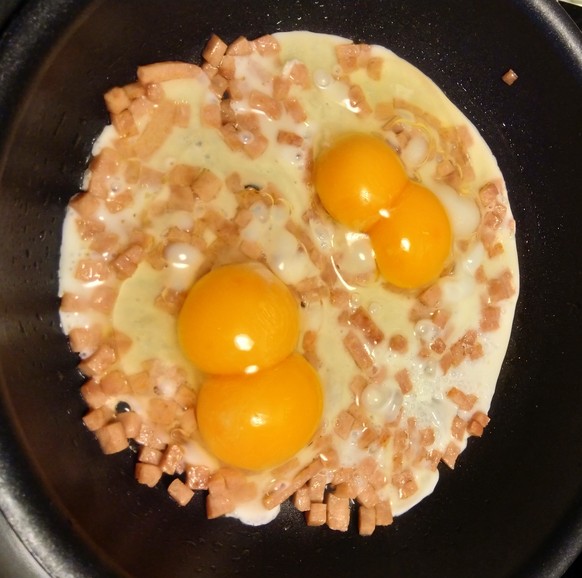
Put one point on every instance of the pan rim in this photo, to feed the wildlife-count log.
(25, 36)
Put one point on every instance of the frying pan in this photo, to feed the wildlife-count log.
(512, 506)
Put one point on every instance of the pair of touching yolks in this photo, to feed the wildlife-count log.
(362, 184)
(260, 402)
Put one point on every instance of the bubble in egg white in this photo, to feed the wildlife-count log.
(427, 330)
(323, 235)
(415, 152)
(260, 212)
(393, 404)
(457, 288)
(474, 258)
(374, 397)
(246, 137)
(462, 211)
(321, 78)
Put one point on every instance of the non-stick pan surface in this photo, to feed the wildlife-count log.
(512, 506)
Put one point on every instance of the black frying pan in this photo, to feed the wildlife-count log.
(512, 507)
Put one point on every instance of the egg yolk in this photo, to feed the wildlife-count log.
(412, 243)
(358, 177)
(259, 420)
(238, 318)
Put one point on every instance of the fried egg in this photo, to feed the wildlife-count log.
(296, 266)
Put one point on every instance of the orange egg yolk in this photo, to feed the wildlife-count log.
(238, 318)
(358, 177)
(259, 420)
(412, 243)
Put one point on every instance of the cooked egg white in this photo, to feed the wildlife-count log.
(329, 113)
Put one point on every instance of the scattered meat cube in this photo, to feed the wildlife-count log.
(97, 418)
(402, 378)
(358, 351)
(463, 400)
(265, 103)
(451, 454)
(180, 492)
(112, 438)
(148, 455)
(301, 499)
(316, 515)
(501, 287)
(316, 486)
(156, 131)
(240, 47)
(366, 521)
(368, 497)
(99, 362)
(383, 513)
(197, 477)
(214, 50)
(207, 185)
(148, 474)
(509, 77)
(126, 263)
(344, 424)
(218, 504)
(266, 45)
(347, 56)
(93, 394)
(91, 270)
(131, 422)
(477, 424)
(361, 319)
(458, 428)
(148, 436)
(338, 512)
(103, 299)
(114, 383)
(171, 459)
(116, 100)
(162, 411)
(398, 343)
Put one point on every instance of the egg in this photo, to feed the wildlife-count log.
(296, 265)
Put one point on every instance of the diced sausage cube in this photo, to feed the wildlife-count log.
(112, 438)
(171, 459)
(148, 455)
(197, 477)
(218, 505)
(338, 513)
(180, 492)
(301, 499)
(383, 513)
(97, 418)
(148, 474)
(316, 487)
(316, 515)
(366, 521)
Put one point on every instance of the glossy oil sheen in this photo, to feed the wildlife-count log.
(511, 508)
